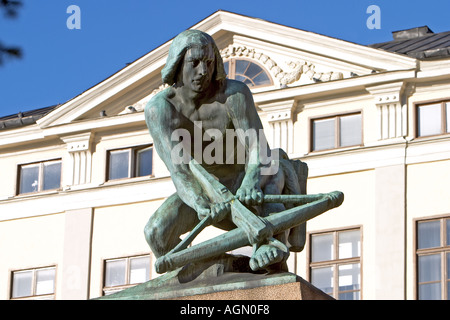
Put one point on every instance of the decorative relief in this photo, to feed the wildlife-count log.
(285, 77)
(298, 68)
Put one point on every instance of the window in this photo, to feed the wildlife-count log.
(248, 72)
(124, 272)
(34, 283)
(433, 119)
(335, 266)
(433, 259)
(130, 162)
(40, 176)
(336, 132)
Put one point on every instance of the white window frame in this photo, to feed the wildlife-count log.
(34, 296)
(40, 181)
(335, 262)
(113, 289)
(133, 163)
(232, 71)
(444, 117)
(337, 130)
(442, 249)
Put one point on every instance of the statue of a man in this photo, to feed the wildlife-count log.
(201, 98)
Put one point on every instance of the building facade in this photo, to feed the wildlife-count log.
(81, 179)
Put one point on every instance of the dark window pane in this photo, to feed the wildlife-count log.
(430, 268)
(350, 130)
(29, 179)
(22, 284)
(430, 291)
(322, 247)
(354, 295)
(241, 66)
(226, 66)
(429, 234)
(52, 175)
(119, 164)
(322, 278)
(248, 72)
(447, 222)
(261, 79)
(242, 78)
(144, 159)
(323, 134)
(253, 70)
(448, 265)
(448, 290)
(349, 278)
(115, 273)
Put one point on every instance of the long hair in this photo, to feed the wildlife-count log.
(181, 43)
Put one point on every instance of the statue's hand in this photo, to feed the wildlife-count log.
(217, 211)
(250, 196)
(201, 206)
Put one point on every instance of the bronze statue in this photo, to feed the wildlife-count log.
(206, 129)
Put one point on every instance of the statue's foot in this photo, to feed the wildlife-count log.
(269, 255)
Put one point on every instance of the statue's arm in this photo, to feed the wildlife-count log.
(159, 118)
(246, 118)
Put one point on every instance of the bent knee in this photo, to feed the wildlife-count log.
(155, 238)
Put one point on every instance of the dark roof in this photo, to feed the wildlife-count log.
(420, 43)
(24, 118)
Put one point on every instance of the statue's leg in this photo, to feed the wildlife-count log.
(270, 255)
(164, 228)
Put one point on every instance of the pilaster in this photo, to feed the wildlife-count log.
(280, 118)
(78, 170)
(392, 117)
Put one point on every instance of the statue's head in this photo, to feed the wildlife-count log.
(180, 45)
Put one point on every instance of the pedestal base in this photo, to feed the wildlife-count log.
(226, 286)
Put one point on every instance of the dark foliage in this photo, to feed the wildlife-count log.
(10, 8)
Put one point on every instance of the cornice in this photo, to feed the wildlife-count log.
(312, 42)
(315, 90)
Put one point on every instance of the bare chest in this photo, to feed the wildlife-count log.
(210, 116)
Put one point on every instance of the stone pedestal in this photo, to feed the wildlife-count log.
(298, 290)
(212, 285)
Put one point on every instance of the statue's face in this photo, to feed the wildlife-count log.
(198, 68)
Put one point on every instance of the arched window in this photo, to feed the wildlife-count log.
(248, 72)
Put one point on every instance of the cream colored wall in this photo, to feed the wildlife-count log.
(357, 210)
(30, 243)
(118, 231)
(427, 194)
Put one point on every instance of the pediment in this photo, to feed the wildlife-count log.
(292, 57)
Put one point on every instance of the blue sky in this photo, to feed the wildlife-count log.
(59, 63)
